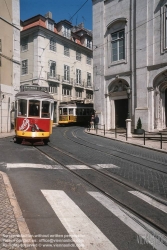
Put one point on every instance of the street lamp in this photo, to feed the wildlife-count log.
(128, 90)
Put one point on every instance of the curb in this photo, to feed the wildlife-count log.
(135, 144)
(22, 226)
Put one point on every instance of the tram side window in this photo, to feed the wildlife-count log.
(60, 111)
(71, 112)
(34, 108)
(45, 109)
(65, 111)
(79, 111)
(22, 107)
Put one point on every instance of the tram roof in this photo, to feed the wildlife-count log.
(34, 95)
(78, 105)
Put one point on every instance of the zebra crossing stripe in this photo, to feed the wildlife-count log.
(150, 201)
(99, 166)
(28, 165)
(75, 167)
(146, 232)
(72, 167)
(76, 222)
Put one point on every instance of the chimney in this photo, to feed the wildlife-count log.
(48, 15)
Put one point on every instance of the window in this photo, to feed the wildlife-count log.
(78, 93)
(88, 60)
(52, 44)
(88, 79)
(50, 25)
(22, 107)
(53, 69)
(118, 45)
(66, 51)
(34, 108)
(88, 43)
(78, 56)
(78, 76)
(52, 88)
(45, 109)
(24, 67)
(89, 95)
(66, 91)
(66, 73)
(24, 44)
(66, 32)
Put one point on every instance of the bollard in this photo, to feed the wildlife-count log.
(96, 127)
(115, 132)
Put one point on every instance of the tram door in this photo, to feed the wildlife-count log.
(121, 113)
(71, 114)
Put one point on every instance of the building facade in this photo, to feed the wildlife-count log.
(130, 53)
(57, 56)
(9, 61)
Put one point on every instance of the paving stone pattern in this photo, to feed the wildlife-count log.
(8, 225)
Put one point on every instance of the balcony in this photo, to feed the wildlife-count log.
(79, 85)
(68, 82)
(89, 85)
(53, 77)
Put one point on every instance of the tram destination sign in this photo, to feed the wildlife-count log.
(34, 88)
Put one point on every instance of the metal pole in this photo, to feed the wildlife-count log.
(144, 138)
(126, 135)
(161, 140)
(104, 129)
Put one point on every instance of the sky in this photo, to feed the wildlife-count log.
(61, 9)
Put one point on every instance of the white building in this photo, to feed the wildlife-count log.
(9, 61)
(57, 56)
(130, 50)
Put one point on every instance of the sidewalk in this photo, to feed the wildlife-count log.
(13, 227)
(4, 135)
(135, 139)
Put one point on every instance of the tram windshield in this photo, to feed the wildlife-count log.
(22, 107)
(34, 108)
(45, 109)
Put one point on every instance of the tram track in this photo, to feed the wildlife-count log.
(122, 153)
(108, 178)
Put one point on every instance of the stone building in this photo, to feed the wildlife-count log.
(130, 52)
(9, 60)
(57, 56)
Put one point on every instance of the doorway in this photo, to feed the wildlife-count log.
(121, 113)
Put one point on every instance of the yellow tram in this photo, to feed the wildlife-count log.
(75, 113)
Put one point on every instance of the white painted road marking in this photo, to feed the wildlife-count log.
(73, 167)
(137, 225)
(99, 166)
(28, 165)
(77, 223)
(150, 201)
